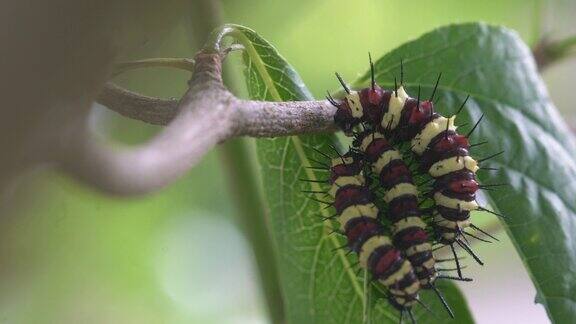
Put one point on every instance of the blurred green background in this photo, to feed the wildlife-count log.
(71, 255)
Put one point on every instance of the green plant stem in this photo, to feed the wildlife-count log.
(244, 183)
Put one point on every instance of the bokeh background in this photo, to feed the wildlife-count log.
(69, 254)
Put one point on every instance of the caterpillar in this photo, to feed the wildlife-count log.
(441, 151)
(402, 262)
(359, 220)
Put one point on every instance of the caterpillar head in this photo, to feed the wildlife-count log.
(349, 112)
(344, 120)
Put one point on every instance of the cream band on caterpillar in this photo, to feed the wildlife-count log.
(385, 159)
(428, 264)
(340, 182)
(418, 248)
(391, 118)
(455, 163)
(412, 289)
(398, 275)
(347, 160)
(454, 203)
(452, 225)
(400, 189)
(368, 139)
(369, 246)
(432, 129)
(353, 100)
(354, 211)
(404, 223)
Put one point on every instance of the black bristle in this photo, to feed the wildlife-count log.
(442, 300)
(490, 157)
(462, 105)
(372, 76)
(412, 320)
(322, 153)
(435, 87)
(476, 237)
(321, 163)
(491, 212)
(456, 260)
(483, 232)
(475, 125)
(342, 83)
(454, 278)
(331, 99)
(468, 249)
(478, 144)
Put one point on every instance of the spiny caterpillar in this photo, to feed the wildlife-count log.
(391, 119)
(441, 151)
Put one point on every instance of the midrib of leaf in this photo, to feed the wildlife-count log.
(260, 66)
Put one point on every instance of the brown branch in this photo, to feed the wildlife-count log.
(251, 118)
(133, 105)
(205, 116)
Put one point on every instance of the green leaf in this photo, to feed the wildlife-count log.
(319, 284)
(497, 70)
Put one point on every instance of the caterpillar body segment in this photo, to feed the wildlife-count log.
(359, 220)
(444, 154)
(401, 194)
(359, 106)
